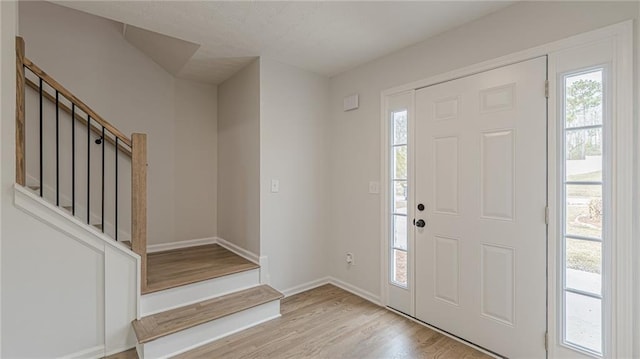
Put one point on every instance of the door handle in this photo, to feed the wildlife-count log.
(420, 223)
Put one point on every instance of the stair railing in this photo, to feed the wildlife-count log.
(134, 147)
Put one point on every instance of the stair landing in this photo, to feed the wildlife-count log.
(177, 267)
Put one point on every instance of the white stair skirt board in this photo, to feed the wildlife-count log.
(196, 292)
(194, 337)
(81, 209)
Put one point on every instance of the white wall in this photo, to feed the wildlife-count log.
(293, 146)
(8, 26)
(239, 158)
(196, 155)
(89, 56)
(354, 137)
(53, 287)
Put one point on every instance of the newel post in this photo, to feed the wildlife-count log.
(20, 127)
(139, 201)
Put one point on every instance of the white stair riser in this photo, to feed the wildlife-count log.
(191, 338)
(188, 294)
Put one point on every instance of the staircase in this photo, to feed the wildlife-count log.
(188, 296)
(197, 295)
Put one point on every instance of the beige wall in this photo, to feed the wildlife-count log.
(293, 145)
(196, 155)
(39, 262)
(239, 159)
(354, 137)
(89, 56)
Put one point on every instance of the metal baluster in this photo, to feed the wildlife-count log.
(102, 213)
(88, 169)
(73, 159)
(57, 148)
(41, 141)
(116, 206)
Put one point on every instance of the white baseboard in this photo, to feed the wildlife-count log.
(333, 281)
(239, 250)
(119, 350)
(94, 352)
(306, 286)
(375, 299)
(160, 247)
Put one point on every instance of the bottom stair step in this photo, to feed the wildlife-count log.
(180, 329)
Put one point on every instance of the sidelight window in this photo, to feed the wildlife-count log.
(399, 181)
(584, 211)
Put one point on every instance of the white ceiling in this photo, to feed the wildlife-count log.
(324, 37)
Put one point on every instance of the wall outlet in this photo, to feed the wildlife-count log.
(275, 186)
(350, 259)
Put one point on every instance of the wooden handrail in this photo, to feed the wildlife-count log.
(66, 93)
(137, 148)
(78, 117)
(139, 201)
(21, 169)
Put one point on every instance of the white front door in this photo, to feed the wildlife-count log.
(481, 175)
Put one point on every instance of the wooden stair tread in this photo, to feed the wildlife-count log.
(177, 267)
(162, 324)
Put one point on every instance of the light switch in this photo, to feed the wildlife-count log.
(374, 187)
(275, 186)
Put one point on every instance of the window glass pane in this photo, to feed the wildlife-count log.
(400, 197)
(583, 102)
(400, 267)
(584, 210)
(400, 127)
(400, 232)
(400, 162)
(584, 155)
(584, 265)
(583, 318)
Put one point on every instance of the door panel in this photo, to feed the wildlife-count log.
(480, 170)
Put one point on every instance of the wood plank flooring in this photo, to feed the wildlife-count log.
(328, 322)
(175, 320)
(178, 267)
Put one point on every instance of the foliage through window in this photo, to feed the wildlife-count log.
(583, 210)
(399, 180)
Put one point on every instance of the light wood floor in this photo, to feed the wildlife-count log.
(174, 320)
(328, 322)
(177, 267)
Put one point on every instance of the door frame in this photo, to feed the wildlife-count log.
(623, 189)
